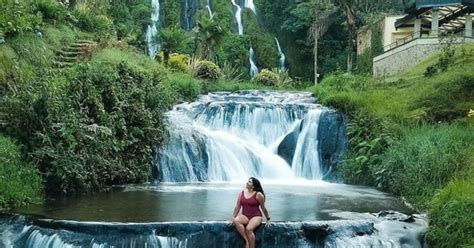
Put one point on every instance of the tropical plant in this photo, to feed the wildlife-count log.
(172, 39)
(207, 70)
(208, 34)
(266, 77)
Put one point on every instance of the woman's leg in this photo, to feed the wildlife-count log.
(239, 223)
(253, 223)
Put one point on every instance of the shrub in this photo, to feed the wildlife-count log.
(18, 17)
(176, 62)
(20, 183)
(266, 77)
(207, 70)
(187, 87)
(50, 10)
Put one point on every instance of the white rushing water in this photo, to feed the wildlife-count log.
(282, 56)
(230, 137)
(238, 18)
(253, 66)
(152, 30)
(249, 4)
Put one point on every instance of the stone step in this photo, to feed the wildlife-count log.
(67, 54)
(60, 64)
(72, 49)
(67, 59)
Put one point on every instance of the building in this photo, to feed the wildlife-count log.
(410, 38)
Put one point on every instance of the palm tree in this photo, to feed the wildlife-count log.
(171, 40)
(208, 33)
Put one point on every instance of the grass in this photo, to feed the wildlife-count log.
(20, 183)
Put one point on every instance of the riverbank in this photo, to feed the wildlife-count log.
(413, 135)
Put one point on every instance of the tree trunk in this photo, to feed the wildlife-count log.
(315, 51)
(166, 57)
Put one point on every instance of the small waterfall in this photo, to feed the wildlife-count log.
(227, 137)
(152, 30)
(209, 10)
(253, 66)
(306, 152)
(249, 4)
(238, 18)
(282, 56)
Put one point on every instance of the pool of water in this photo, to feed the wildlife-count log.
(174, 202)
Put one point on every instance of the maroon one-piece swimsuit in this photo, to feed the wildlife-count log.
(250, 206)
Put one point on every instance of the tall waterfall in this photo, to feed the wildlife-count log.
(229, 137)
(249, 4)
(152, 30)
(189, 9)
(253, 66)
(282, 56)
(238, 18)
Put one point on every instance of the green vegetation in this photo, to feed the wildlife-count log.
(20, 182)
(411, 135)
(266, 77)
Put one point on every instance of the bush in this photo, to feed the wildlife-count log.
(266, 77)
(20, 183)
(451, 216)
(186, 86)
(50, 10)
(7, 64)
(100, 24)
(18, 17)
(207, 70)
(176, 62)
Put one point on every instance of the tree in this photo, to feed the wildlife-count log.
(321, 22)
(171, 40)
(208, 34)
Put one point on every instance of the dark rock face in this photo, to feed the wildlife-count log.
(332, 137)
(287, 147)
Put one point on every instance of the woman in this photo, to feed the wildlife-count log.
(250, 200)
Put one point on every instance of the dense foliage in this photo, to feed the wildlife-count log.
(19, 182)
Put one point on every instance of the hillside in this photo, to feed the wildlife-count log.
(413, 135)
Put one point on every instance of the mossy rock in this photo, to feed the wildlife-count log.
(266, 77)
(207, 70)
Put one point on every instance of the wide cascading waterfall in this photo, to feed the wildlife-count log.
(238, 17)
(152, 30)
(253, 65)
(282, 56)
(229, 137)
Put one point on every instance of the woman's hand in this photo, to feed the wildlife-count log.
(232, 221)
(267, 223)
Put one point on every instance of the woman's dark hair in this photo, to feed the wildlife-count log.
(257, 186)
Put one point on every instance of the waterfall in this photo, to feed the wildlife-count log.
(282, 56)
(238, 18)
(209, 10)
(152, 30)
(249, 4)
(229, 137)
(253, 66)
(189, 10)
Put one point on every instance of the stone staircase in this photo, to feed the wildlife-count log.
(71, 54)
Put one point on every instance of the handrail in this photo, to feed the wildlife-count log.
(402, 41)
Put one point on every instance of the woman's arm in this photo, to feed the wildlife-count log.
(237, 206)
(261, 201)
